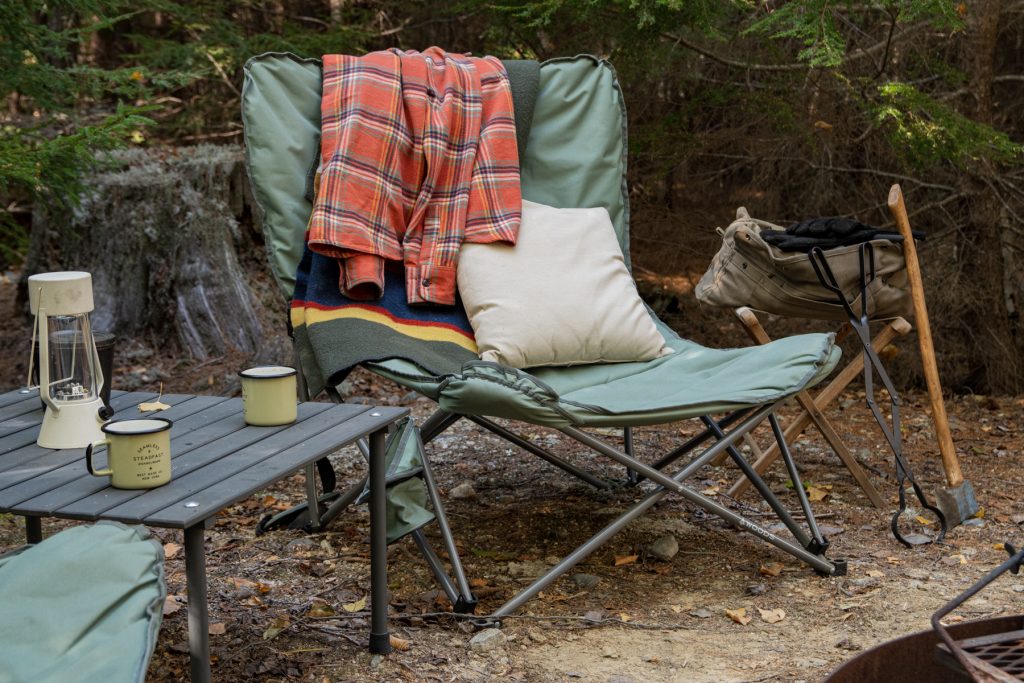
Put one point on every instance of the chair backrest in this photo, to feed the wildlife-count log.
(575, 155)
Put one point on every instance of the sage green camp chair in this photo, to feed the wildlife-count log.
(83, 605)
(575, 156)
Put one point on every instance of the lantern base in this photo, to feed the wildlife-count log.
(75, 425)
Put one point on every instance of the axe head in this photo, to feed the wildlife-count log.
(957, 503)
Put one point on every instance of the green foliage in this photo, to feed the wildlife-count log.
(39, 46)
(812, 24)
(815, 24)
(926, 132)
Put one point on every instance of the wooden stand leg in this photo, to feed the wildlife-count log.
(723, 457)
(812, 407)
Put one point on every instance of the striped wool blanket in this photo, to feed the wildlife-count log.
(334, 333)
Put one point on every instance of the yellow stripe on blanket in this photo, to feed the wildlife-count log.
(311, 315)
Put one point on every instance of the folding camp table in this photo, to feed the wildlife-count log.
(217, 460)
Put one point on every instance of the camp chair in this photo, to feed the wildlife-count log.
(83, 605)
(575, 156)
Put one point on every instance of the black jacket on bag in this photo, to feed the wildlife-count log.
(828, 233)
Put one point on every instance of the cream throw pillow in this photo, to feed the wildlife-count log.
(561, 296)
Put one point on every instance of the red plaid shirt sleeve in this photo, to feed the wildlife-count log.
(419, 154)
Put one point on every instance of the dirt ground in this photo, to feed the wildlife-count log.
(290, 606)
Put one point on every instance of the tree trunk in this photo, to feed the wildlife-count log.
(989, 255)
(161, 238)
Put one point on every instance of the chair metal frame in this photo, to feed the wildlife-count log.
(811, 408)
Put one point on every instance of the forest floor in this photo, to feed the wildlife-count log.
(292, 606)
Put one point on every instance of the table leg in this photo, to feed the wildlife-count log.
(380, 641)
(33, 529)
(312, 501)
(198, 616)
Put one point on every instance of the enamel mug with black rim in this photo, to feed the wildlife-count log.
(138, 453)
(269, 395)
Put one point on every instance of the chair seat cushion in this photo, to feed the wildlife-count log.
(83, 605)
(692, 381)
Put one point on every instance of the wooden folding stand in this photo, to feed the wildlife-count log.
(812, 407)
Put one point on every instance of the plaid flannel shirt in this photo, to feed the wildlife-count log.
(418, 154)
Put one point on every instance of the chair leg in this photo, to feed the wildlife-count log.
(668, 485)
(465, 601)
(812, 407)
(551, 458)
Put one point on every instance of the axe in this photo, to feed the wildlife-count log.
(957, 500)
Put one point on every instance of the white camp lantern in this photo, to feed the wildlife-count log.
(70, 377)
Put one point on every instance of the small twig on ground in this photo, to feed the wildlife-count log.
(336, 632)
(589, 622)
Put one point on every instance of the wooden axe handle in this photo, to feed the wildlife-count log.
(924, 335)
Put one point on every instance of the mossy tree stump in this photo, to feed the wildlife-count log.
(161, 235)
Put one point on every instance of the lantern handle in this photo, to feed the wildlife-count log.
(44, 366)
(32, 354)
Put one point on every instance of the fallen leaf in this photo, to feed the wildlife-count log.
(171, 550)
(980, 514)
(738, 615)
(321, 610)
(772, 616)
(822, 125)
(710, 491)
(400, 644)
(279, 624)
(477, 583)
(155, 405)
(772, 569)
(702, 613)
(625, 559)
(625, 618)
(999, 546)
(356, 606)
(817, 493)
(923, 520)
(875, 574)
(676, 608)
(258, 587)
(171, 604)
(217, 629)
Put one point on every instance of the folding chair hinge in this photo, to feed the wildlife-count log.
(818, 547)
(464, 606)
(481, 623)
(838, 569)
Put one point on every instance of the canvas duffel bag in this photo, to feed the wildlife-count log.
(747, 271)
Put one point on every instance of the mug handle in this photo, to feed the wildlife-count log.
(88, 459)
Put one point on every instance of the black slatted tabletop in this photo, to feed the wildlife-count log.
(216, 458)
